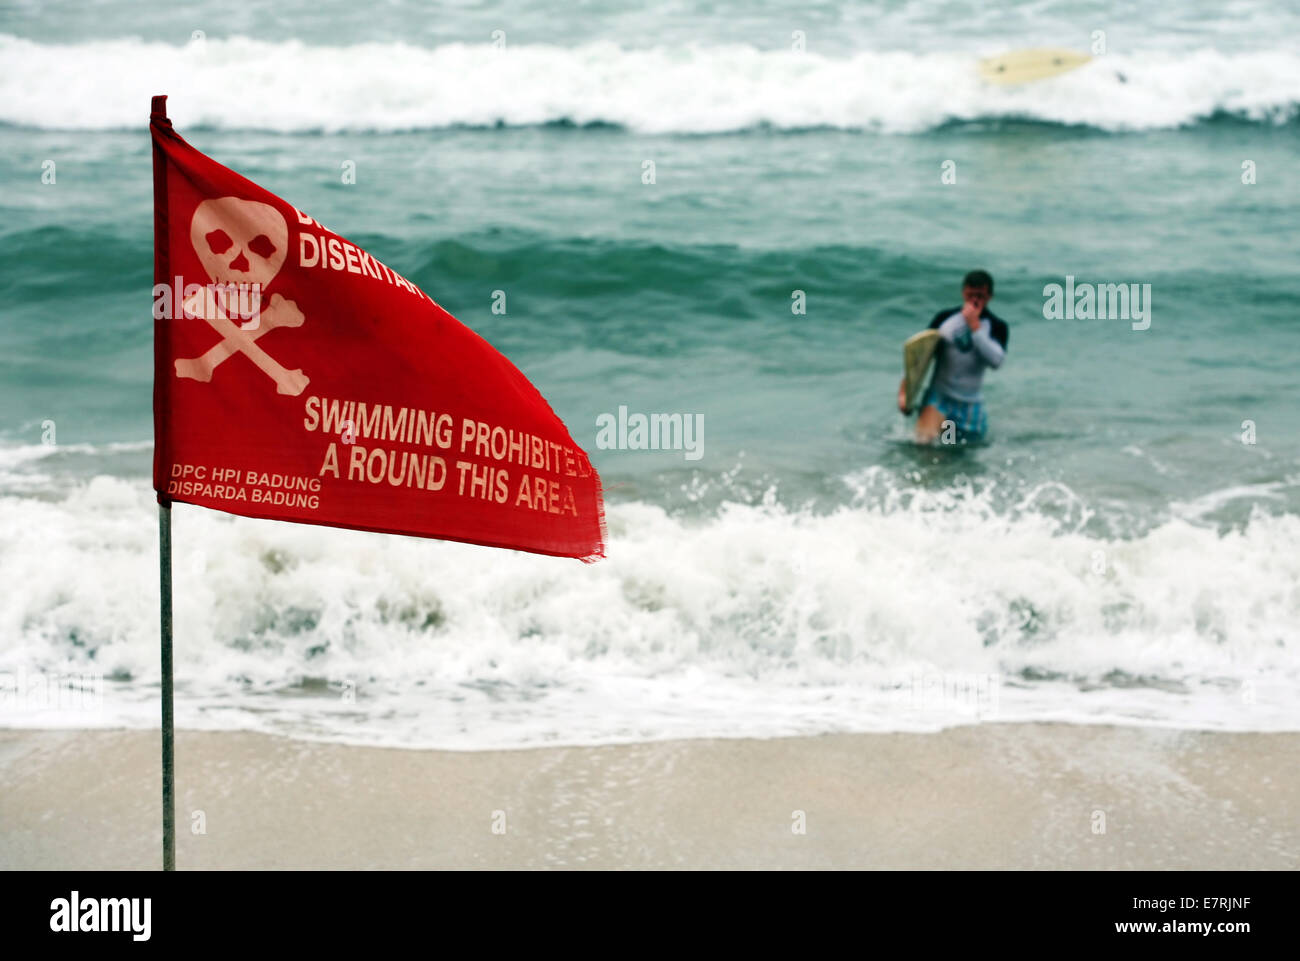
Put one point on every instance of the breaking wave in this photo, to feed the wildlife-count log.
(242, 83)
(908, 611)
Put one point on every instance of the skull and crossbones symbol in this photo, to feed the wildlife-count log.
(241, 242)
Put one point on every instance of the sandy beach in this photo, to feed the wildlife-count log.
(1001, 796)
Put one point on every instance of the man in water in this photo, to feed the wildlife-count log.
(971, 340)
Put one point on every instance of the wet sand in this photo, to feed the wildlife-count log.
(989, 796)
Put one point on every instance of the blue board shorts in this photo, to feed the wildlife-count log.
(969, 417)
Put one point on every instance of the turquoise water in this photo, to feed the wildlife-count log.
(774, 173)
(677, 296)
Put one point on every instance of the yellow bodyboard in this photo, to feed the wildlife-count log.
(918, 354)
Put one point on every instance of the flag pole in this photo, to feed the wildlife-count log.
(165, 608)
(162, 275)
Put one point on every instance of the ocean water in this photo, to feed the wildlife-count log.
(1124, 548)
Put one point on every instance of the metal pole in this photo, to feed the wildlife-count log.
(169, 781)
(159, 125)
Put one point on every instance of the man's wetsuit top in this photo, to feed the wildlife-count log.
(964, 354)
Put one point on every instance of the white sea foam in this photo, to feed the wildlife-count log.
(908, 613)
(290, 86)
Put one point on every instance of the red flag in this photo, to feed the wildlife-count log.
(298, 378)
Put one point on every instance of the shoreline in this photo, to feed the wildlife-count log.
(993, 796)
